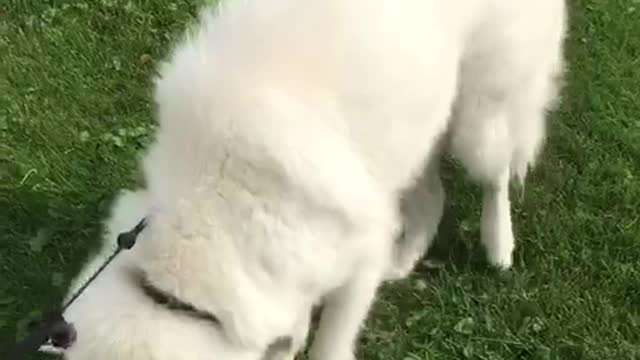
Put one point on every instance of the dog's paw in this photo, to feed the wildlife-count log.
(433, 264)
(332, 357)
(500, 258)
(331, 354)
(499, 244)
(396, 272)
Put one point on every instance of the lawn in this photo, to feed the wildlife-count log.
(76, 110)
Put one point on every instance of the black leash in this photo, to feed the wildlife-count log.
(126, 241)
(53, 327)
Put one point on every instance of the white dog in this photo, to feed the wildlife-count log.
(288, 130)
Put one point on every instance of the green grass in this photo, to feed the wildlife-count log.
(75, 110)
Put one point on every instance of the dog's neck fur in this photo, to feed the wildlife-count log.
(200, 261)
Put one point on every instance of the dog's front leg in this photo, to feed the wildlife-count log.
(345, 309)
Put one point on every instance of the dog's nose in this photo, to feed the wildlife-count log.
(63, 335)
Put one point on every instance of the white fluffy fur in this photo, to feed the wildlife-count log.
(288, 130)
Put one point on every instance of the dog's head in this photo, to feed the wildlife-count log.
(124, 316)
(133, 311)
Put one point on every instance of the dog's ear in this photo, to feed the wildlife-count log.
(278, 347)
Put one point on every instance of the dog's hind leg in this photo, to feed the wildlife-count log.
(481, 140)
(496, 232)
(508, 81)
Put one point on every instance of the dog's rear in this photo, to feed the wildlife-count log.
(509, 79)
(510, 76)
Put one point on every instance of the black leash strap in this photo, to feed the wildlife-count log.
(53, 327)
(126, 241)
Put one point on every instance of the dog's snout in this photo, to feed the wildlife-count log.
(63, 335)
